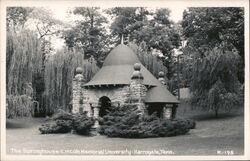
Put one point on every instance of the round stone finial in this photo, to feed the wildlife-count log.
(137, 66)
(79, 70)
(79, 77)
(136, 74)
(161, 74)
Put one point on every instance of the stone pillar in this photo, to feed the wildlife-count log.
(167, 109)
(96, 116)
(77, 82)
(137, 89)
(162, 79)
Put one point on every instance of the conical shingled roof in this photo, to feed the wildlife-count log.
(118, 68)
(121, 55)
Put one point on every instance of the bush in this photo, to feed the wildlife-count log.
(126, 123)
(62, 115)
(82, 123)
(59, 126)
(191, 124)
(64, 122)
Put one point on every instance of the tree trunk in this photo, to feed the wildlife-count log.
(216, 113)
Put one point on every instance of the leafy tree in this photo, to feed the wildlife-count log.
(23, 61)
(89, 33)
(215, 46)
(126, 20)
(45, 23)
(214, 84)
(158, 33)
(17, 16)
(31, 51)
(204, 28)
(46, 26)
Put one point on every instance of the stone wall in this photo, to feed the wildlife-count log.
(115, 94)
(90, 96)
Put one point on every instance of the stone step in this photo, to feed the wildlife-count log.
(93, 131)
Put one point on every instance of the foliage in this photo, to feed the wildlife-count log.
(59, 73)
(126, 20)
(17, 16)
(125, 122)
(158, 33)
(27, 50)
(64, 122)
(46, 27)
(152, 62)
(83, 124)
(215, 83)
(206, 28)
(214, 66)
(19, 106)
(23, 60)
(89, 33)
(45, 24)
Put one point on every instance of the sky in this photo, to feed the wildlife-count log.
(61, 14)
(176, 12)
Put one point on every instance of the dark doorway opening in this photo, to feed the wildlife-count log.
(104, 104)
(156, 108)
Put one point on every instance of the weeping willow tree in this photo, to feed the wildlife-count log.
(23, 60)
(215, 85)
(59, 73)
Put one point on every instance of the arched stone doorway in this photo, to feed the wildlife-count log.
(104, 105)
(156, 108)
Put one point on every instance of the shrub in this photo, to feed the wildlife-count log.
(125, 122)
(82, 123)
(191, 124)
(59, 126)
(64, 122)
(62, 115)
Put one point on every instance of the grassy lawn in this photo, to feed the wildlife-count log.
(224, 134)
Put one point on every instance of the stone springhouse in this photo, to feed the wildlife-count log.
(122, 79)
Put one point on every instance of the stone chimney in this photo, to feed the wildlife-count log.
(138, 90)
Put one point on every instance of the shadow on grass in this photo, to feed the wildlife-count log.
(14, 125)
(210, 116)
(22, 123)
